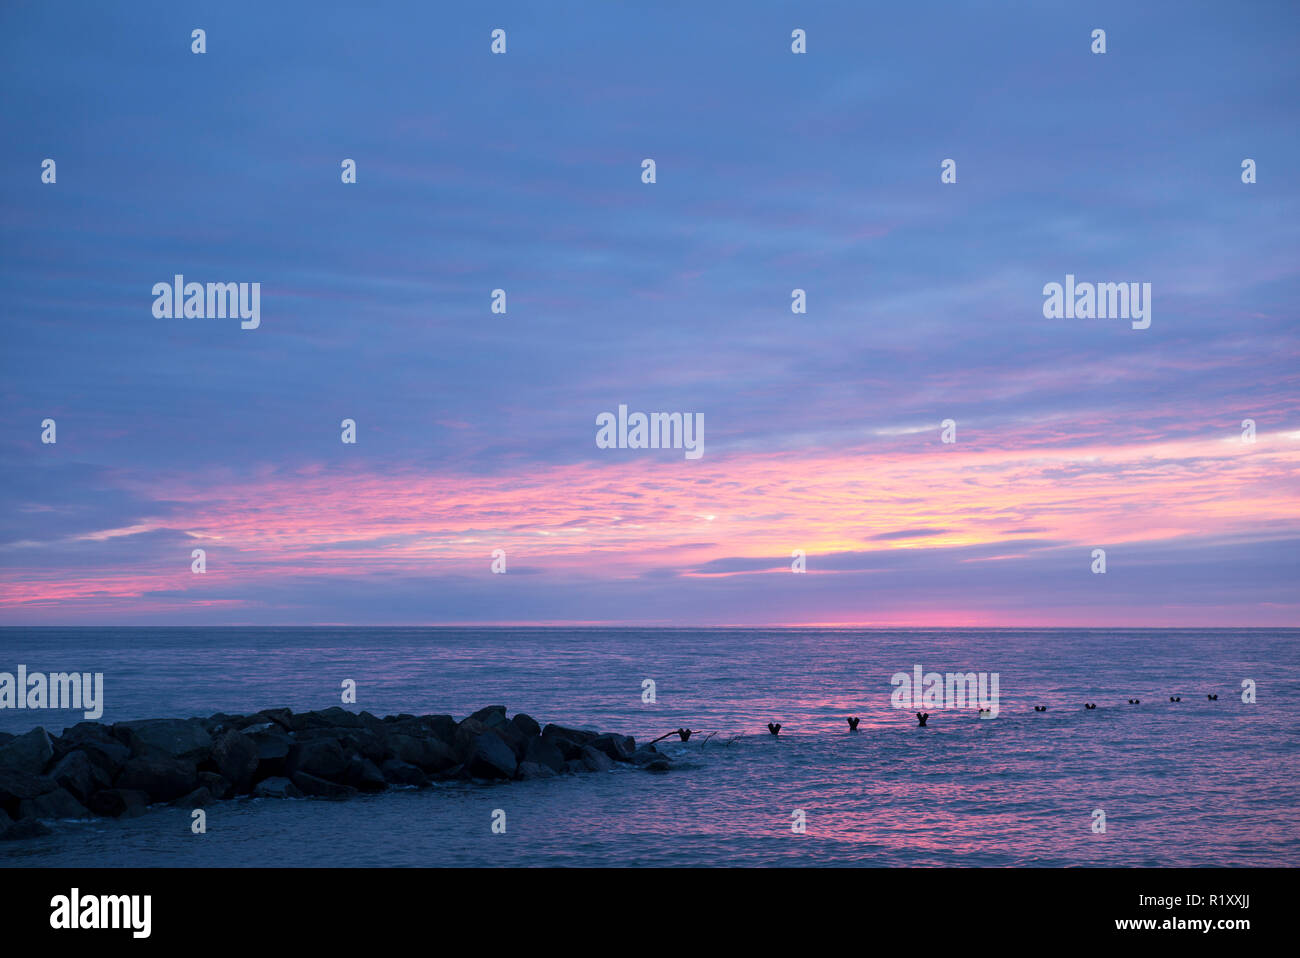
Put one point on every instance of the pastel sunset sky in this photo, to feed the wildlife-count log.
(775, 171)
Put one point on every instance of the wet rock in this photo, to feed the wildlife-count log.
(617, 747)
(645, 755)
(56, 804)
(542, 752)
(365, 776)
(80, 776)
(272, 743)
(322, 758)
(18, 786)
(162, 779)
(397, 772)
(314, 787)
(29, 752)
(526, 725)
(217, 785)
(235, 757)
(27, 828)
(531, 770)
(491, 757)
(428, 754)
(119, 802)
(277, 787)
(196, 799)
(658, 765)
(165, 738)
(595, 760)
(492, 716)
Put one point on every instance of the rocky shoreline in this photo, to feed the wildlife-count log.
(119, 770)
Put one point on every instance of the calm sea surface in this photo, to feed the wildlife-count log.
(1193, 783)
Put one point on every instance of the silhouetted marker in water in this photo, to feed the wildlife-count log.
(1175, 698)
(685, 734)
(1090, 705)
(1134, 701)
(921, 717)
(853, 723)
(775, 729)
(1212, 698)
(1040, 708)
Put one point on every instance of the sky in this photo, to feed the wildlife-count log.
(775, 171)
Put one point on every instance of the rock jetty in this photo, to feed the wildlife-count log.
(118, 770)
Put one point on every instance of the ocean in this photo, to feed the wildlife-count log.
(1193, 783)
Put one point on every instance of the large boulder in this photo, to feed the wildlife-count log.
(272, 743)
(492, 716)
(162, 779)
(277, 787)
(570, 741)
(166, 738)
(397, 772)
(56, 804)
(29, 752)
(80, 776)
(542, 752)
(27, 828)
(17, 786)
(526, 725)
(119, 802)
(531, 770)
(236, 758)
(596, 761)
(429, 754)
(321, 758)
(321, 788)
(617, 747)
(365, 776)
(491, 757)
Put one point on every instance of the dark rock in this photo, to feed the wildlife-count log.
(29, 752)
(338, 717)
(645, 755)
(5, 739)
(236, 758)
(467, 734)
(397, 772)
(658, 765)
(575, 766)
(281, 717)
(80, 776)
(365, 776)
(56, 804)
(596, 761)
(542, 752)
(28, 828)
(492, 716)
(321, 788)
(119, 802)
(165, 738)
(217, 785)
(491, 757)
(617, 747)
(322, 758)
(162, 779)
(272, 743)
(580, 735)
(5, 820)
(429, 754)
(526, 725)
(531, 770)
(108, 756)
(196, 799)
(517, 741)
(277, 787)
(17, 786)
